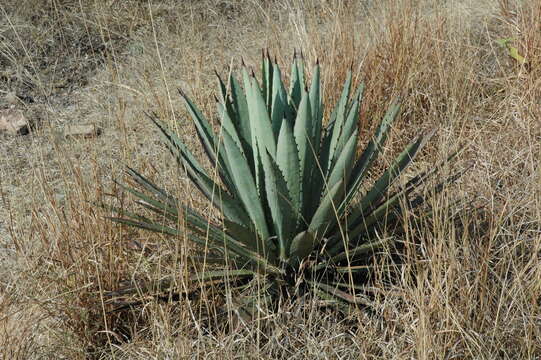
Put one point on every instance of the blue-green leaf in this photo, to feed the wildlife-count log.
(244, 181)
(280, 203)
(287, 158)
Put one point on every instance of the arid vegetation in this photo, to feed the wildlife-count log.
(467, 283)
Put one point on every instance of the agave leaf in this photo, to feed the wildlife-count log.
(359, 93)
(158, 228)
(424, 175)
(243, 180)
(342, 295)
(343, 166)
(207, 260)
(260, 259)
(338, 119)
(369, 204)
(350, 126)
(123, 212)
(307, 159)
(229, 126)
(242, 121)
(164, 213)
(163, 207)
(287, 159)
(267, 85)
(360, 250)
(301, 246)
(329, 212)
(393, 200)
(420, 199)
(387, 209)
(317, 175)
(225, 97)
(174, 143)
(213, 236)
(316, 110)
(242, 246)
(261, 130)
(191, 216)
(198, 224)
(163, 229)
(168, 281)
(300, 70)
(279, 201)
(151, 187)
(230, 206)
(280, 108)
(302, 129)
(262, 133)
(255, 165)
(296, 85)
(220, 274)
(326, 146)
(247, 236)
(378, 191)
(326, 214)
(203, 129)
(371, 152)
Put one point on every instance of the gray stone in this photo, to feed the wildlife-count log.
(84, 131)
(13, 122)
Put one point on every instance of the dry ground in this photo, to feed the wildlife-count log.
(476, 293)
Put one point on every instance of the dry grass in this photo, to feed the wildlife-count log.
(470, 286)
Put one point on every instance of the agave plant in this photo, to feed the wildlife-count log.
(287, 186)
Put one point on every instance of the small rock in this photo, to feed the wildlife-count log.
(13, 122)
(84, 131)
